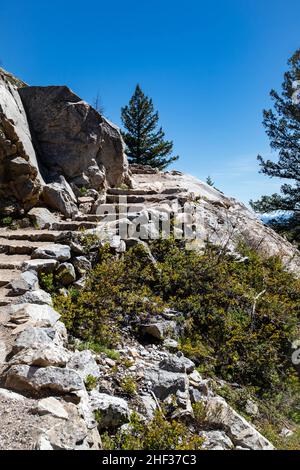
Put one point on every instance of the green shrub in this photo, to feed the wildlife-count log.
(99, 348)
(239, 317)
(47, 282)
(128, 386)
(117, 290)
(158, 434)
(6, 221)
(90, 382)
(83, 190)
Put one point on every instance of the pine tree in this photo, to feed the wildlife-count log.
(209, 181)
(144, 140)
(283, 129)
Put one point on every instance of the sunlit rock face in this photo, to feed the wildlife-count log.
(73, 139)
(20, 178)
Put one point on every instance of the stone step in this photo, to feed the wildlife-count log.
(135, 199)
(143, 170)
(4, 297)
(107, 217)
(73, 225)
(114, 208)
(20, 247)
(144, 191)
(8, 275)
(129, 192)
(12, 261)
(36, 235)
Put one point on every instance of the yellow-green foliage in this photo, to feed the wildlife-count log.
(157, 434)
(90, 382)
(118, 289)
(128, 386)
(228, 333)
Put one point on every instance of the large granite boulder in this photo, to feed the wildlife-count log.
(73, 139)
(20, 178)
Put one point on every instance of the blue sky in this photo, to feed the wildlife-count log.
(209, 67)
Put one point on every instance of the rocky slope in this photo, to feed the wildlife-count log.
(65, 177)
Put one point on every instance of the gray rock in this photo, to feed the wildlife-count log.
(251, 408)
(117, 244)
(40, 265)
(55, 251)
(42, 217)
(66, 274)
(51, 406)
(82, 265)
(240, 431)
(171, 344)
(34, 338)
(84, 364)
(49, 355)
(114, 410)
(160, 330)
(67, 434)
(59, 196)
(174, 363)
(76, 248)
(9, 395)
(163, 383)
(28, 281)
(216, 440)
(20, 177)
(73, 138)
(80, 283)
(36, 315)
(24, 377)
(38, 296)
(195, 395)
(85, 409)
(149, 405)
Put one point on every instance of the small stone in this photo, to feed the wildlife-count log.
(51, 406)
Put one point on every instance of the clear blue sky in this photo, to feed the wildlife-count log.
(208, 66)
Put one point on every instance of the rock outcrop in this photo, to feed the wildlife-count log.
(20, 179)
(73, 139)
(51, 144)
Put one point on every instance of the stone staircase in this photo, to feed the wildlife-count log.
(122, 205)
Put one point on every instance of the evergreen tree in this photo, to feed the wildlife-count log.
(283, 129)
(144, 140)
(209, 181)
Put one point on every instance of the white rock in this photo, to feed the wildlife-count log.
(28, 281)
(8, 394)
(241, 432)
(42, 217)
(54, 251)
(49, 355)
(114, 410)
(53, 407)
(84, 364)
(37, 315)
(40, 265)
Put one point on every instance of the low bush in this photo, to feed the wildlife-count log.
(240, 317)
(157, 434)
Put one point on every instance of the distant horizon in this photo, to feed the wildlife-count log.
(208, 68)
